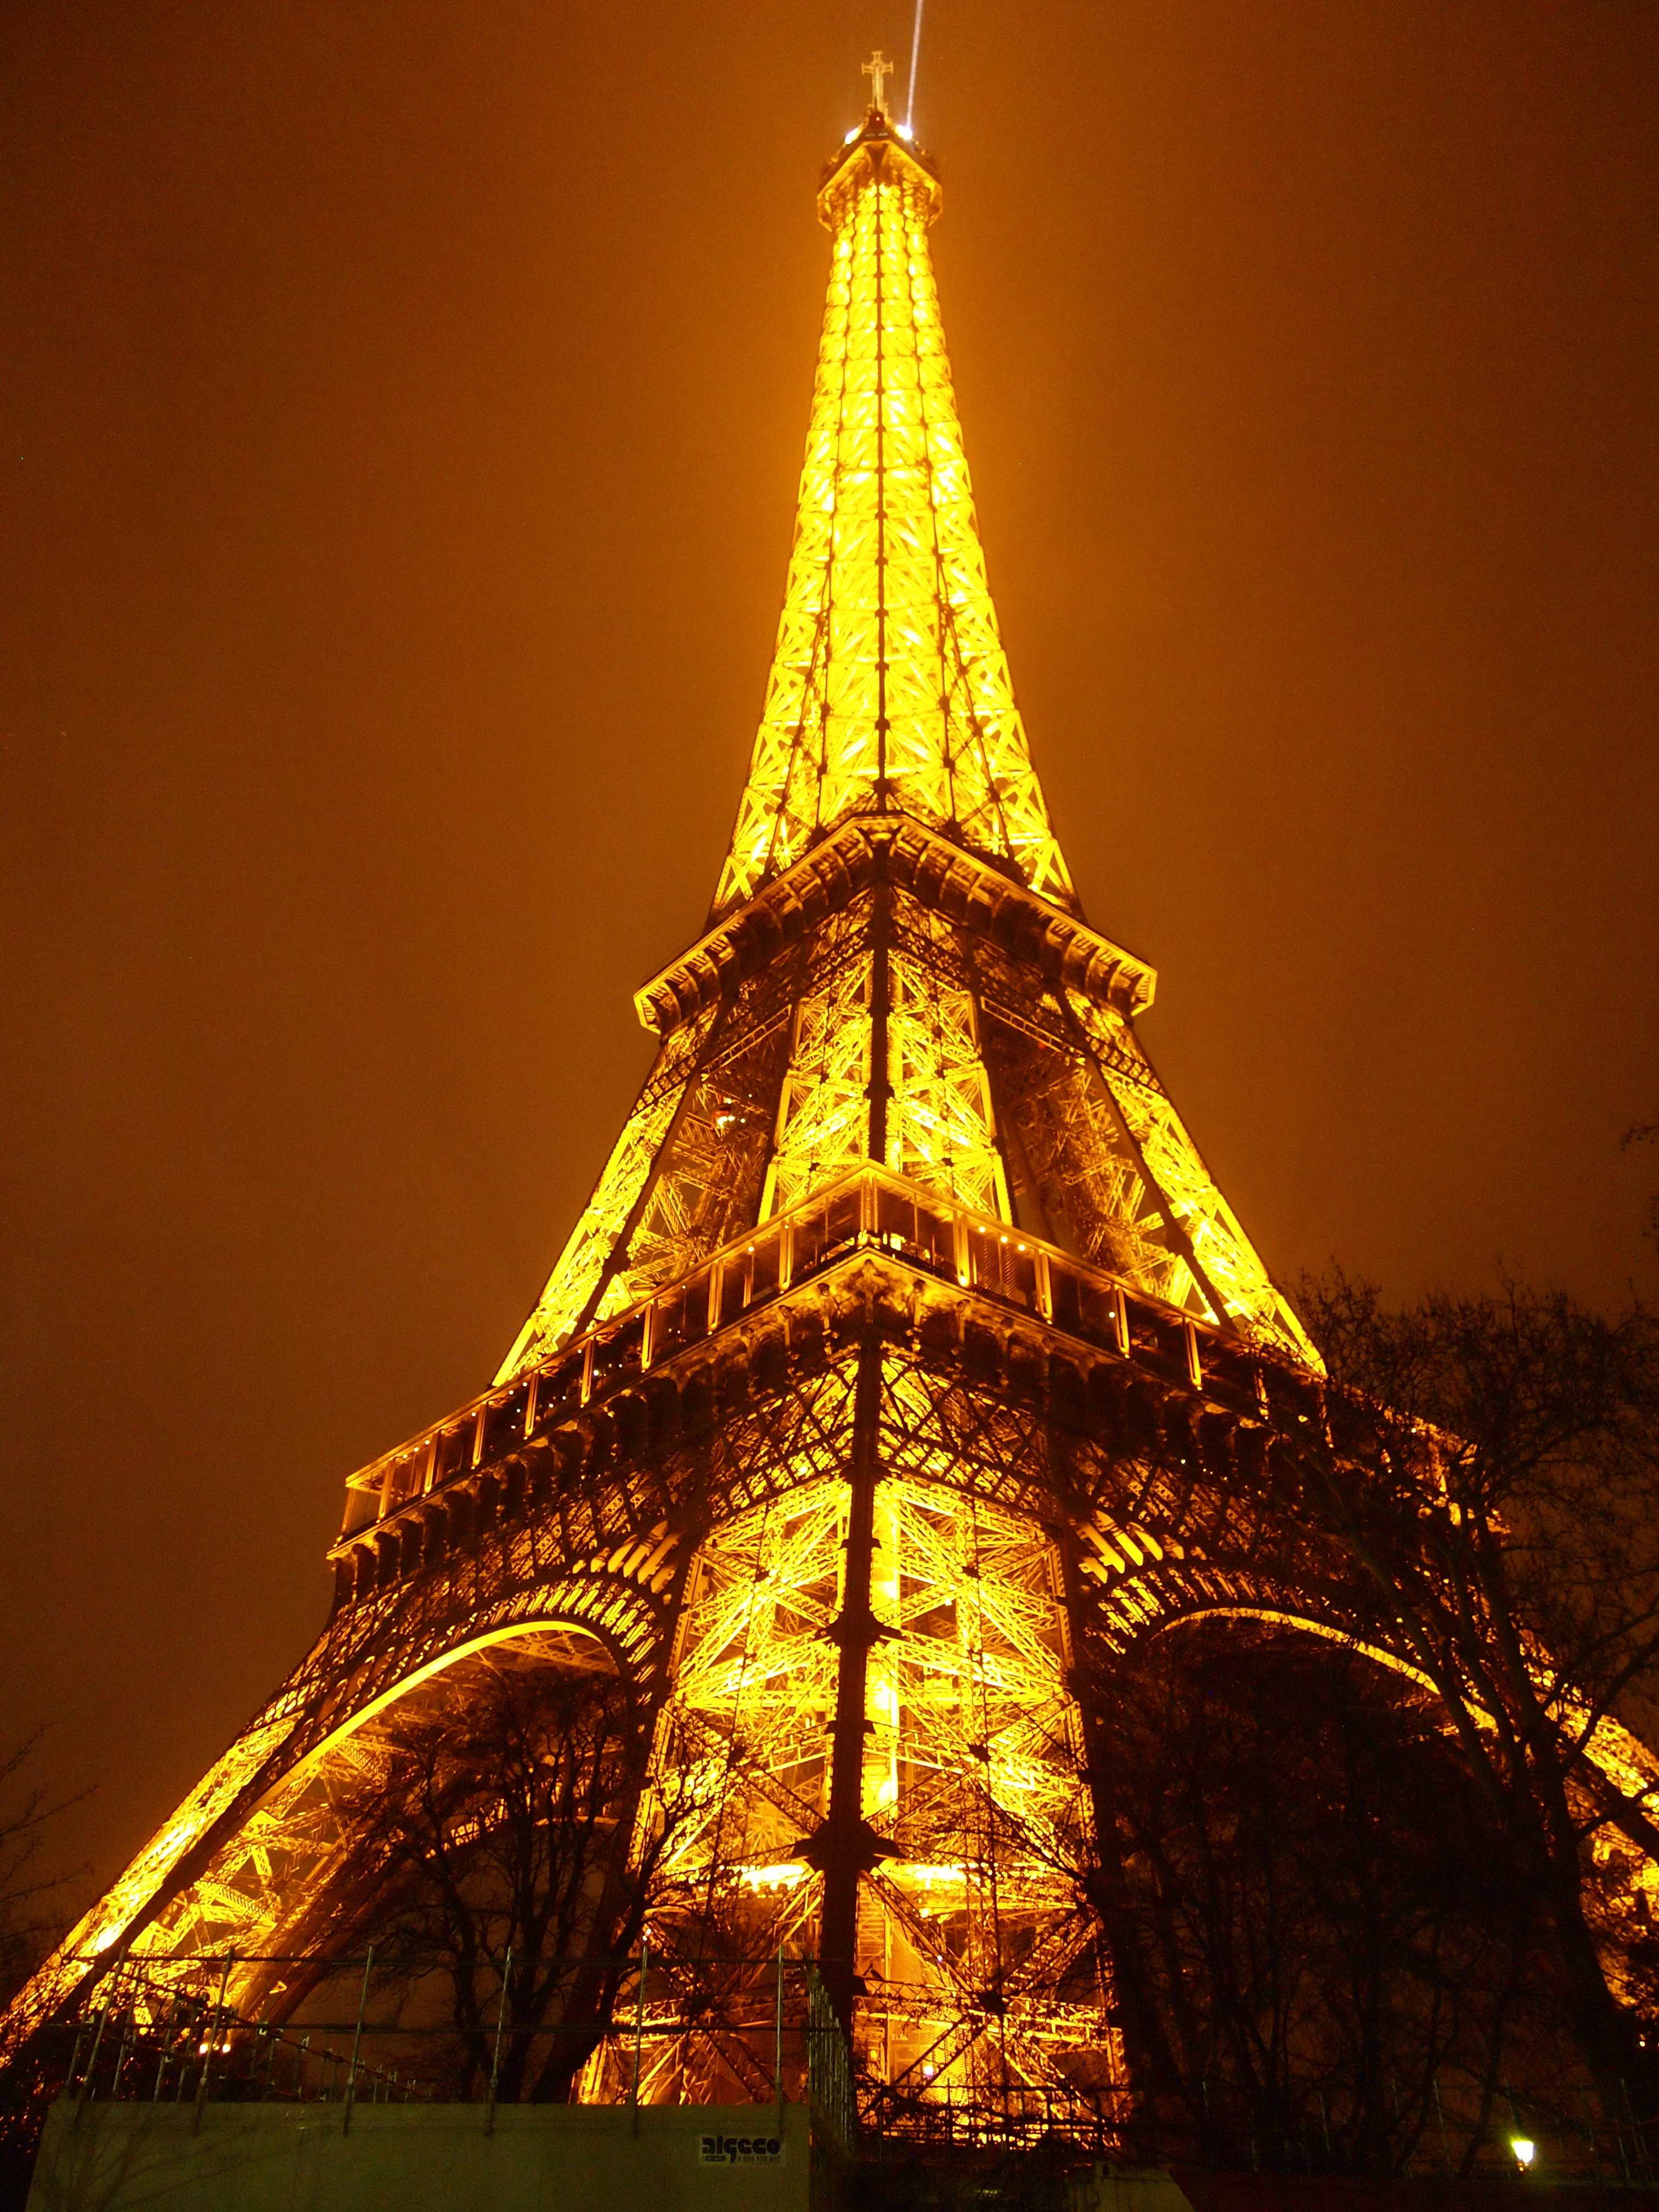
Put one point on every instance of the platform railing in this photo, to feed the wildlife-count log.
(870, 1209)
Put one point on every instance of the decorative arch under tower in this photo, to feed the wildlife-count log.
(905, 1366)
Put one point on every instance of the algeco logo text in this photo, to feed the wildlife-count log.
(740, 2150)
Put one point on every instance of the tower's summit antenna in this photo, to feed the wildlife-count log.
(878, 68)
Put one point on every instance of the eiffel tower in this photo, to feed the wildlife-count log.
(905, 1365)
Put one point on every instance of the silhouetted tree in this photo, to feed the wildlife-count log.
(1317, 1922)
(29, 1927)
(1645, 1132)
(1520, 1456)
(29, 1924)
(508, 1839)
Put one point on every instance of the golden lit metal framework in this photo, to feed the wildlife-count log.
(889, 686)
(884, 1033)
(905, 1365)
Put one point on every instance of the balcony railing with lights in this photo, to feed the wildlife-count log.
(868, 1212)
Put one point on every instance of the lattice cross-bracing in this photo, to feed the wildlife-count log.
(905, 1369)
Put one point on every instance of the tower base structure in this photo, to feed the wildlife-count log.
(869, 1511)
(906, 1373)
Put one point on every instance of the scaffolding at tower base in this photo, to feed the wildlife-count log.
(166, 2037)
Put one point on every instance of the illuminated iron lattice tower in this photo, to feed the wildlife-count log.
(905, 1357)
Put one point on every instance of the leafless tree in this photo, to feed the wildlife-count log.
(31, 1920)
(507, 1836)
(1321, 1940)
(1645, 1132)
(29, 1924)
(1524, 1576)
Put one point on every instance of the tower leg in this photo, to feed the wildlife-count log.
(1149, 2063)
(845, 1839)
